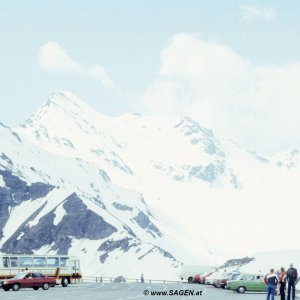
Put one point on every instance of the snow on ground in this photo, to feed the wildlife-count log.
(2, 183)
(154, 164)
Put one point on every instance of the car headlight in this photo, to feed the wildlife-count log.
(5, 282)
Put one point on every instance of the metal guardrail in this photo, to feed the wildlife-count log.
(101, 279)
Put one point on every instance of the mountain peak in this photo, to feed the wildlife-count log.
(60, 106)
(65, 99)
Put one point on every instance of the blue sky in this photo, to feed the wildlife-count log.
(116, 62)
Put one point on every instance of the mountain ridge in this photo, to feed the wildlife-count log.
(173, 191)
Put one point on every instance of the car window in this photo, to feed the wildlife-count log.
(37, 275)
(235, 276)
(241, 277)
(249, 277)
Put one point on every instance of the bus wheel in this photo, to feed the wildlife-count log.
(64, 282)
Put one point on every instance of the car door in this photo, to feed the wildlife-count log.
(260, 283)
(250, 282)
(38, 279)
(28, 281)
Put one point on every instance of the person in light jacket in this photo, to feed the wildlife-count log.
(271, 280)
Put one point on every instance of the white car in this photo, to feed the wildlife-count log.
(210, 279)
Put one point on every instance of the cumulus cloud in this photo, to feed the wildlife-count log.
(52, 57)
(255, 12)
(101, 74)
(258, 106)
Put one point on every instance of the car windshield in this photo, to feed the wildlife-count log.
(20, 276)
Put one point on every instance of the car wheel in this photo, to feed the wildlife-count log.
(6, 288)
(36, 288)
(190, 279)
(46, 286)
(241, 289)
(64, 282)
(16, 287)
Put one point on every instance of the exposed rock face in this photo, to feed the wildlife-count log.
(16, 191)
(144, 222)
(111, 245)
(78, 222)
(122, 206)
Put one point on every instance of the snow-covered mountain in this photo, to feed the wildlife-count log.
(137, 194)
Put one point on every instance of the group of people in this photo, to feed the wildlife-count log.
(283, 278)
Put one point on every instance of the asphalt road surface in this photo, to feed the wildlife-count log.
(130, 291)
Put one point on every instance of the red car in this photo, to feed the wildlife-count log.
(28, 280)
(196, 278)
(200, 278)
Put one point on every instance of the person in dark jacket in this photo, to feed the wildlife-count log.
(292, 279)
(271, 280)
(282, 282)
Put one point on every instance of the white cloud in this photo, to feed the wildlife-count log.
(101, 74)
(255, 12)
(52, 57)
(258, 106)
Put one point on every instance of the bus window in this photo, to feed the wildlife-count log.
(25, 261)
(64, 262)
(52, 262)
(14, 262)
(39, 261)
(5, 261)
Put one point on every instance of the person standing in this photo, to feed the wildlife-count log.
(282, 282)
(271, 280)
(142, 278)
(292, 279)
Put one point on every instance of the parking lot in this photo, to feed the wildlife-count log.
(121, 291)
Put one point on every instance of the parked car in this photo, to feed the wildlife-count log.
(188, 272)
(28, 280)
(248, 282)
(204, 276)
(212, 277)
(196, 278)
(222, 281)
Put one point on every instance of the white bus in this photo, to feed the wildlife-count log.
(66, 269)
